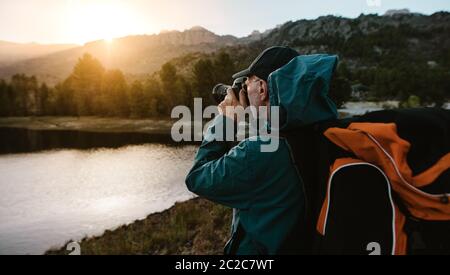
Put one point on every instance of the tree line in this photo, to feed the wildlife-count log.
(389, 68)
(93, 90)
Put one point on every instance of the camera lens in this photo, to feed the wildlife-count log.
(219, 92)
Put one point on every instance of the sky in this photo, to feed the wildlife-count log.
(81, 21)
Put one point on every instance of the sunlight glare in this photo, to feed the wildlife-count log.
(97, 20)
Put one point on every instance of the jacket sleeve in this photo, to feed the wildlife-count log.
(221, 174)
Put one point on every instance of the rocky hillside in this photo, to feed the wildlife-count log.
(398, 36)
(362, 42)
(138, 54)
(417, 35)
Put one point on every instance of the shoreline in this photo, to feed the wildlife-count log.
(193, 227)
(151, 125)
(89, 124)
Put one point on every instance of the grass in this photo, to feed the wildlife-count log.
(194, 227)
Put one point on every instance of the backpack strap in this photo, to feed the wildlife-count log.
(359, 208)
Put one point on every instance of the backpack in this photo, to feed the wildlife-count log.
(377, 183)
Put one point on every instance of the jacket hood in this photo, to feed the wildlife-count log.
(300, 89)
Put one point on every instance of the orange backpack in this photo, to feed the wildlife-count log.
(378, 145)
(377, 183)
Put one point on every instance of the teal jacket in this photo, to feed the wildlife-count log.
(264, 188)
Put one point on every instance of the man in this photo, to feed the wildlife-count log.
(264, 188)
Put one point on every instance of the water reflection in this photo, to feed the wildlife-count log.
(54, 196)
(18, 140)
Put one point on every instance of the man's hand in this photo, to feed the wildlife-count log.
(228, 105)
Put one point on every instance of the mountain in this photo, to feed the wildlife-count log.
(194, 36)
(364, 42)
(14, 52)
(255, 36)
(399, 35)
(369, 38)
(331, 26)
(134, 55)
(394, 12)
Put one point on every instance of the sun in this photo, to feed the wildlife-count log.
(98, 20)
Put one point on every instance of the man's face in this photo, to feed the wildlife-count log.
(257, 91)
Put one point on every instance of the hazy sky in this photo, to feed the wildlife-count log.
(79, 21)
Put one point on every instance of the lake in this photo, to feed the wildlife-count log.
(49, 197)
(58, 185)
